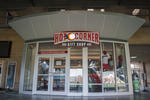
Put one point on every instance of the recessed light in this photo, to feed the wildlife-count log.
(133, 57)
(90, 9)
(102, 10)
(135, 12)
(62, 9)
(132, 65)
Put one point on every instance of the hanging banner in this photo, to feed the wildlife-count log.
(76, 39)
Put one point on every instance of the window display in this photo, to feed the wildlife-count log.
(105, 58)
(94, 70)
(109, 83)
(121, 71)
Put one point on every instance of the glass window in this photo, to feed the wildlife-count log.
(94, 70)
(10, 75)
(122, 77)
(29, 67)
(76, 76)
(108, 67)
(49, 46)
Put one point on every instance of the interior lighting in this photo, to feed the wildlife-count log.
(90, 9)
(133, 57)
(62, 10)
(102, 10)
(135, 12)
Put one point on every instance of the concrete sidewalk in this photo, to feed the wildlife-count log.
(15, 96)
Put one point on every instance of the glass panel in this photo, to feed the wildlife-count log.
(43, 72)
(59, 74)
(10, 75)
(122, 77)
(49, 46)
(76, 76)
(42, 83)
(43, 67)
(76, 81)
(108, 67)
(29, 67)
(95, 88)
(75, 88)
(94, 70)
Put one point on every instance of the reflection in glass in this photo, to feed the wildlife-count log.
(122, 78)
(76, 80)
(75, 88)
(95, 88)
(109, 83)
(76, 76)
(29, 67)
(58, 83)
(94, 70)
(10, 75)
(59, 74)
(42, 83)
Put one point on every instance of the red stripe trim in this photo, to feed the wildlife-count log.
(52, 52)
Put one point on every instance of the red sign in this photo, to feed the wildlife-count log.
(73, 37)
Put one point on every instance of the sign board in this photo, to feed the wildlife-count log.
(76, 39)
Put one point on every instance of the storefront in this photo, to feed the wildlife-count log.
(93, 65)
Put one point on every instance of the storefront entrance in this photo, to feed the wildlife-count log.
(87, 71)
(51, 77)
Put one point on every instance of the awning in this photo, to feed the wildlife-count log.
(44, 25)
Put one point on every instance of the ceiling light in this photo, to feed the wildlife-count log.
(132, 65)
(102, 10)
(90, 9)
(133, 57)
(62, 10)
(135, 12)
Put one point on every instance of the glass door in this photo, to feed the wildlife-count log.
(59, 66)
(43, 76)
(51, 74)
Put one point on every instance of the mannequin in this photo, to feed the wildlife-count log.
(105, 58)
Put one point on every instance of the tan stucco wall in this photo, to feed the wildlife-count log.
(16, 54)
(142, 36)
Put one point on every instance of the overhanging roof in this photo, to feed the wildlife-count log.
(44, 25)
